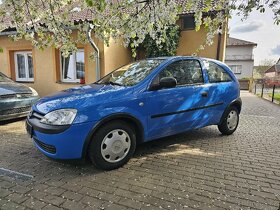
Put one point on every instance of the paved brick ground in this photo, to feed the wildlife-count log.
(196, 170)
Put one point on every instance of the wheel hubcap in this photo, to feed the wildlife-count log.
(232, 120)
(115, 146)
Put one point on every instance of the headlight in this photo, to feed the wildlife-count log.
(34, 92)
(60, 117)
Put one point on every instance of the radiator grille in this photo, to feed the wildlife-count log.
(8, 96)
(15, 110)
(48, 148)
(18, 95)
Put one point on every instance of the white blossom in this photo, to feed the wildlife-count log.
(51, 23)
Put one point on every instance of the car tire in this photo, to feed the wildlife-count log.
(112, 145)
(230, 121)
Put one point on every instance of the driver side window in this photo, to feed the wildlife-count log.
(186, 72)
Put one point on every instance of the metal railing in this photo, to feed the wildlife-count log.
(268, 89)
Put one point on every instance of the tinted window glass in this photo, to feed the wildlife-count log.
(216, 73)
(188, 23)
(131, 74)
(185, 72)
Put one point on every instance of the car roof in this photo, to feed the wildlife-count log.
(190, 57)
(172, 57)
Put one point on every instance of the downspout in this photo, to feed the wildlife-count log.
(94, 46)
(219, 46)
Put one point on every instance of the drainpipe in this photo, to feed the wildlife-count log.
(219, 46)
(94, 46)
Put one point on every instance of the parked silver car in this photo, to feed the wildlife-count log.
(15, 99)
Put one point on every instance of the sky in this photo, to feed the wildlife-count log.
(258, 28)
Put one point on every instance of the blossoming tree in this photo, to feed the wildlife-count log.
(51, 22)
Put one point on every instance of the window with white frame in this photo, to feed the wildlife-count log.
(73, 67)
(236, 69)
(24, 66)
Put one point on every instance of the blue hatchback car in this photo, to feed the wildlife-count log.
(136, 103)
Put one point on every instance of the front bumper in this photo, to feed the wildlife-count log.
(16, 108)
(15, 115)
(59, 142)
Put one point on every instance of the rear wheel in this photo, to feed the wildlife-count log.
(230, 121)
(112, 145)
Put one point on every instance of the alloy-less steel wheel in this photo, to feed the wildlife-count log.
(112, 145)
(230, 122)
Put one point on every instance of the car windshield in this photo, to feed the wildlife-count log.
(131, 74)
(3, 78)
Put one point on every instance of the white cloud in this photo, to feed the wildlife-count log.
(276, 50)
(248, 27)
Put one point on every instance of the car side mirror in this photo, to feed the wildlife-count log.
(167, 82)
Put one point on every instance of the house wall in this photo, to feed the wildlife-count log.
(270, 74)
(46, 65)
(47, 62)
(190, 41)
(244, 51)
(247, 68)
(241, 55)
(115, 56)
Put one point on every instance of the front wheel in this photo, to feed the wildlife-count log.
(112, 145)
(230, 121)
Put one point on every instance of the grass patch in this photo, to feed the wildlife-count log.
(276, 96)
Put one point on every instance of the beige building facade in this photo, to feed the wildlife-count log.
(47, 71)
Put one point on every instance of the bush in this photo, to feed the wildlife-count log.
(167, 47)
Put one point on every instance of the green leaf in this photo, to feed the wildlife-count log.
(89, 3)
(133, 35)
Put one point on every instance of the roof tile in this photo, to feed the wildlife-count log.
(238, 42)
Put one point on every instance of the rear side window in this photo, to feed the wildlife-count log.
(186, 72)
(216, 73)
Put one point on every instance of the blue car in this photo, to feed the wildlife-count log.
(139, 102)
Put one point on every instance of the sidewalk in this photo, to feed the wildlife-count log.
(196, 170)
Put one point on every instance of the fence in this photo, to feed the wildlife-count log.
(268, 89)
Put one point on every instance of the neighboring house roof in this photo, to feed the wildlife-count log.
(271, 69)
(239, 42)
(274, 68)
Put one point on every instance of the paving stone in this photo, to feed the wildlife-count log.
(54, 190)
(55, 200)
(72, 205)
(4, 192)
(199, 169)
(51, 207)
(33, 203)
(17, 198)
(72, 195)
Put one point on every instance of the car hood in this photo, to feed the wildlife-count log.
(7, 88)
(80, 97)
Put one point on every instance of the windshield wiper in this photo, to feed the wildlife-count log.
(110, 83)
(115, 83)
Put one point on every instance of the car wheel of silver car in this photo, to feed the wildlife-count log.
(230, 121)
(112, 145)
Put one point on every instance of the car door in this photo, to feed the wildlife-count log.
(221, 91)
(177, 109)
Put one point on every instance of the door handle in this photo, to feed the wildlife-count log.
(204, 94)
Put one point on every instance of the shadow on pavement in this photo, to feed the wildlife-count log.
(5, 122)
